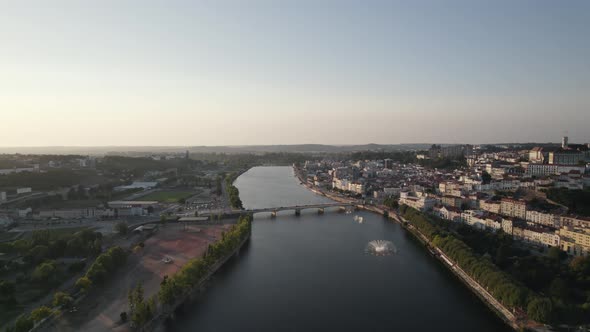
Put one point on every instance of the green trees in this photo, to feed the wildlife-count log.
(486, 177)
(41, 313)
(121, 228)
(7, 291)
(581, 265)
(83, 284)
(23, 323)
(141, 311)
(391, 203)
(578, 201)
(421, 222)
(500, 284)
(540, 309)
(105, 264)
(233, 192)
(62, 299)
(172, 288)
(46, 274)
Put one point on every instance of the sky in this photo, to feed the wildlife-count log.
(186, 73)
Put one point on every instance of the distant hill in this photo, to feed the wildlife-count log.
(296, 148)
(234, 149)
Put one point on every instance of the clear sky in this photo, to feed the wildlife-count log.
(286, 72)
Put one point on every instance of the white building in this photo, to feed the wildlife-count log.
(7, 171)
(23, 190)
(551, 169)
(137, 185)
(542, 218)
(423, 203)
(474, 218)
(75, 213)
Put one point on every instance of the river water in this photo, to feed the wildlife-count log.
(311, 273)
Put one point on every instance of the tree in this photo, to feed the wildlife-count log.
(45, 274)
(121, 228)
(7, 291)
(141, 311)
(540, 310)
(554, 254)
(41, 313)
(559, 289)
(62, 299)
(38, 254)
(84, 284)
(23, 323)
(581, 264)
(486, 178)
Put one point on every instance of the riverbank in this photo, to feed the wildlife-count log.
(501, 311)
(158, 322)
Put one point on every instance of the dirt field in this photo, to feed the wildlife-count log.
(100, 310)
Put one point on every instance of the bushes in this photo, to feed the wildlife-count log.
(83, 284)
(62, 299)
(121, 228)
(41, 313)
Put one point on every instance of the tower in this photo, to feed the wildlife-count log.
(564, 142)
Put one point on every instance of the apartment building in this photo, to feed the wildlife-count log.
(574, 241)
(513, 208)
(542, 218)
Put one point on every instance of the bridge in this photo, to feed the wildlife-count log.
(298, 208)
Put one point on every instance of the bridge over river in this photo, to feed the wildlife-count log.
(298, 208)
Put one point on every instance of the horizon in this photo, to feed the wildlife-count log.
(340, 73)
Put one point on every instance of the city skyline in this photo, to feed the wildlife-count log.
(341, 73)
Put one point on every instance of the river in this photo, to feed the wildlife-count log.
(311, 273)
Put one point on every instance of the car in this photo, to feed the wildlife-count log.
(167, 260)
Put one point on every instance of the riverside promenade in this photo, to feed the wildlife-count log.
(504, 313)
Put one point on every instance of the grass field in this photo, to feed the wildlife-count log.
(167, 196)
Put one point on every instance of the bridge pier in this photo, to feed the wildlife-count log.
(321, 211)
(297, 212)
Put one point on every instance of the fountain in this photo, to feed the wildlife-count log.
(380, 248)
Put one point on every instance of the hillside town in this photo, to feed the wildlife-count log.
(508, 190)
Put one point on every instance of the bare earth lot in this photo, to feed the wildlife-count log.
(100, 310)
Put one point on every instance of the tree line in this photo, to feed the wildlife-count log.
(104, 265)
(501, 285)
(232, 191)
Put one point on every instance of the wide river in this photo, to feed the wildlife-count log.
(311, 273)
